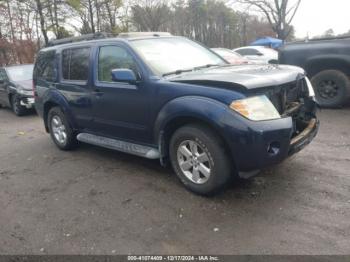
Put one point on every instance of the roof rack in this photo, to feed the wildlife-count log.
(143, 34)
(87, 37)
(103, 35)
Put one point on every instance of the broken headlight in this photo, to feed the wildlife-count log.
(257, 108)
(310, 87)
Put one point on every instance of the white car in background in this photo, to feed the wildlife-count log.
(258, 54)
(230, 56)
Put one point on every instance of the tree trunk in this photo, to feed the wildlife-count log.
(98, 20)
(10, 17)
(110, 16)
(59, 34)
(91, 17)
(42, 21)
(49, 8)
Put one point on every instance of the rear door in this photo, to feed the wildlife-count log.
(75, 83)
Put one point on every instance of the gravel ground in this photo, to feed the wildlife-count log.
(96, 201)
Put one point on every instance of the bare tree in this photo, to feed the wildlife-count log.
(252, 27)
(279, 13)
(39, 7)
(25, 24)
(17, 20)
(96, 15)
(150, 15)
(111, 9)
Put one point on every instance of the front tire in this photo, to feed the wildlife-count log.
(199, 159)
(60, 131)
(16, 106)
(332, 88)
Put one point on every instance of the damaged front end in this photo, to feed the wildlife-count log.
(296, 100)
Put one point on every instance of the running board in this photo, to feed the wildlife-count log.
(126, 147)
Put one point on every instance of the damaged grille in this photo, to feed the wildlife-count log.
(289, 96)
(292, 100)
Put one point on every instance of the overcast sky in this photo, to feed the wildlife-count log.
(314, 17)
(317, 16)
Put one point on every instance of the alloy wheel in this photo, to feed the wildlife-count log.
(59, 130)
(194, 162)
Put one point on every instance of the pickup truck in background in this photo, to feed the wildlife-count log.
(327, 63)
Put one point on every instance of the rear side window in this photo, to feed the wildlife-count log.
(45, 66)
(75, 64)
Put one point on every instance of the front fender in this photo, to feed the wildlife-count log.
(205, 109)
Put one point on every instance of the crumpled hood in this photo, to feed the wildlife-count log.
(248, 76)
(26, 84)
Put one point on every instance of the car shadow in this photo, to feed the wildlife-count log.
(241, 190)
(29, 112)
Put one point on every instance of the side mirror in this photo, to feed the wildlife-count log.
(259, 54)
(124, 75)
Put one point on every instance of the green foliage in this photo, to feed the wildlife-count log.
(75, 4)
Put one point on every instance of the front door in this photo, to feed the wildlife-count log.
(120, 110)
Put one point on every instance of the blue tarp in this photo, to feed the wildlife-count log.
(268, 41)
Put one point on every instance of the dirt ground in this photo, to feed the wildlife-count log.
(96, 201)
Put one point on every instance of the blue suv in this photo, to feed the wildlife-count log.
(164, 97)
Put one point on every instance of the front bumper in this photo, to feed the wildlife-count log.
(27, 101)
(305, 137)
(256, 145)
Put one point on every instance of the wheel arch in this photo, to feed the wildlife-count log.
(321, 63)
(56, 100)
(185, 111)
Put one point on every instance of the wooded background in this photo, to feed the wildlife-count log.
(27, 25)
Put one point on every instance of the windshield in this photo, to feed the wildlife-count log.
(20, 73)
(227, 53)
(166, 55)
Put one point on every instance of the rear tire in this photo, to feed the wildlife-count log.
(199, 159)
(16, 106)
(332, 88)
(60, 131)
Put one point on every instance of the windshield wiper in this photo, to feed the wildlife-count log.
(205, 66)
(180, 71)
(177, 72)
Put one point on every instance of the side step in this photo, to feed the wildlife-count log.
(126, 147)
